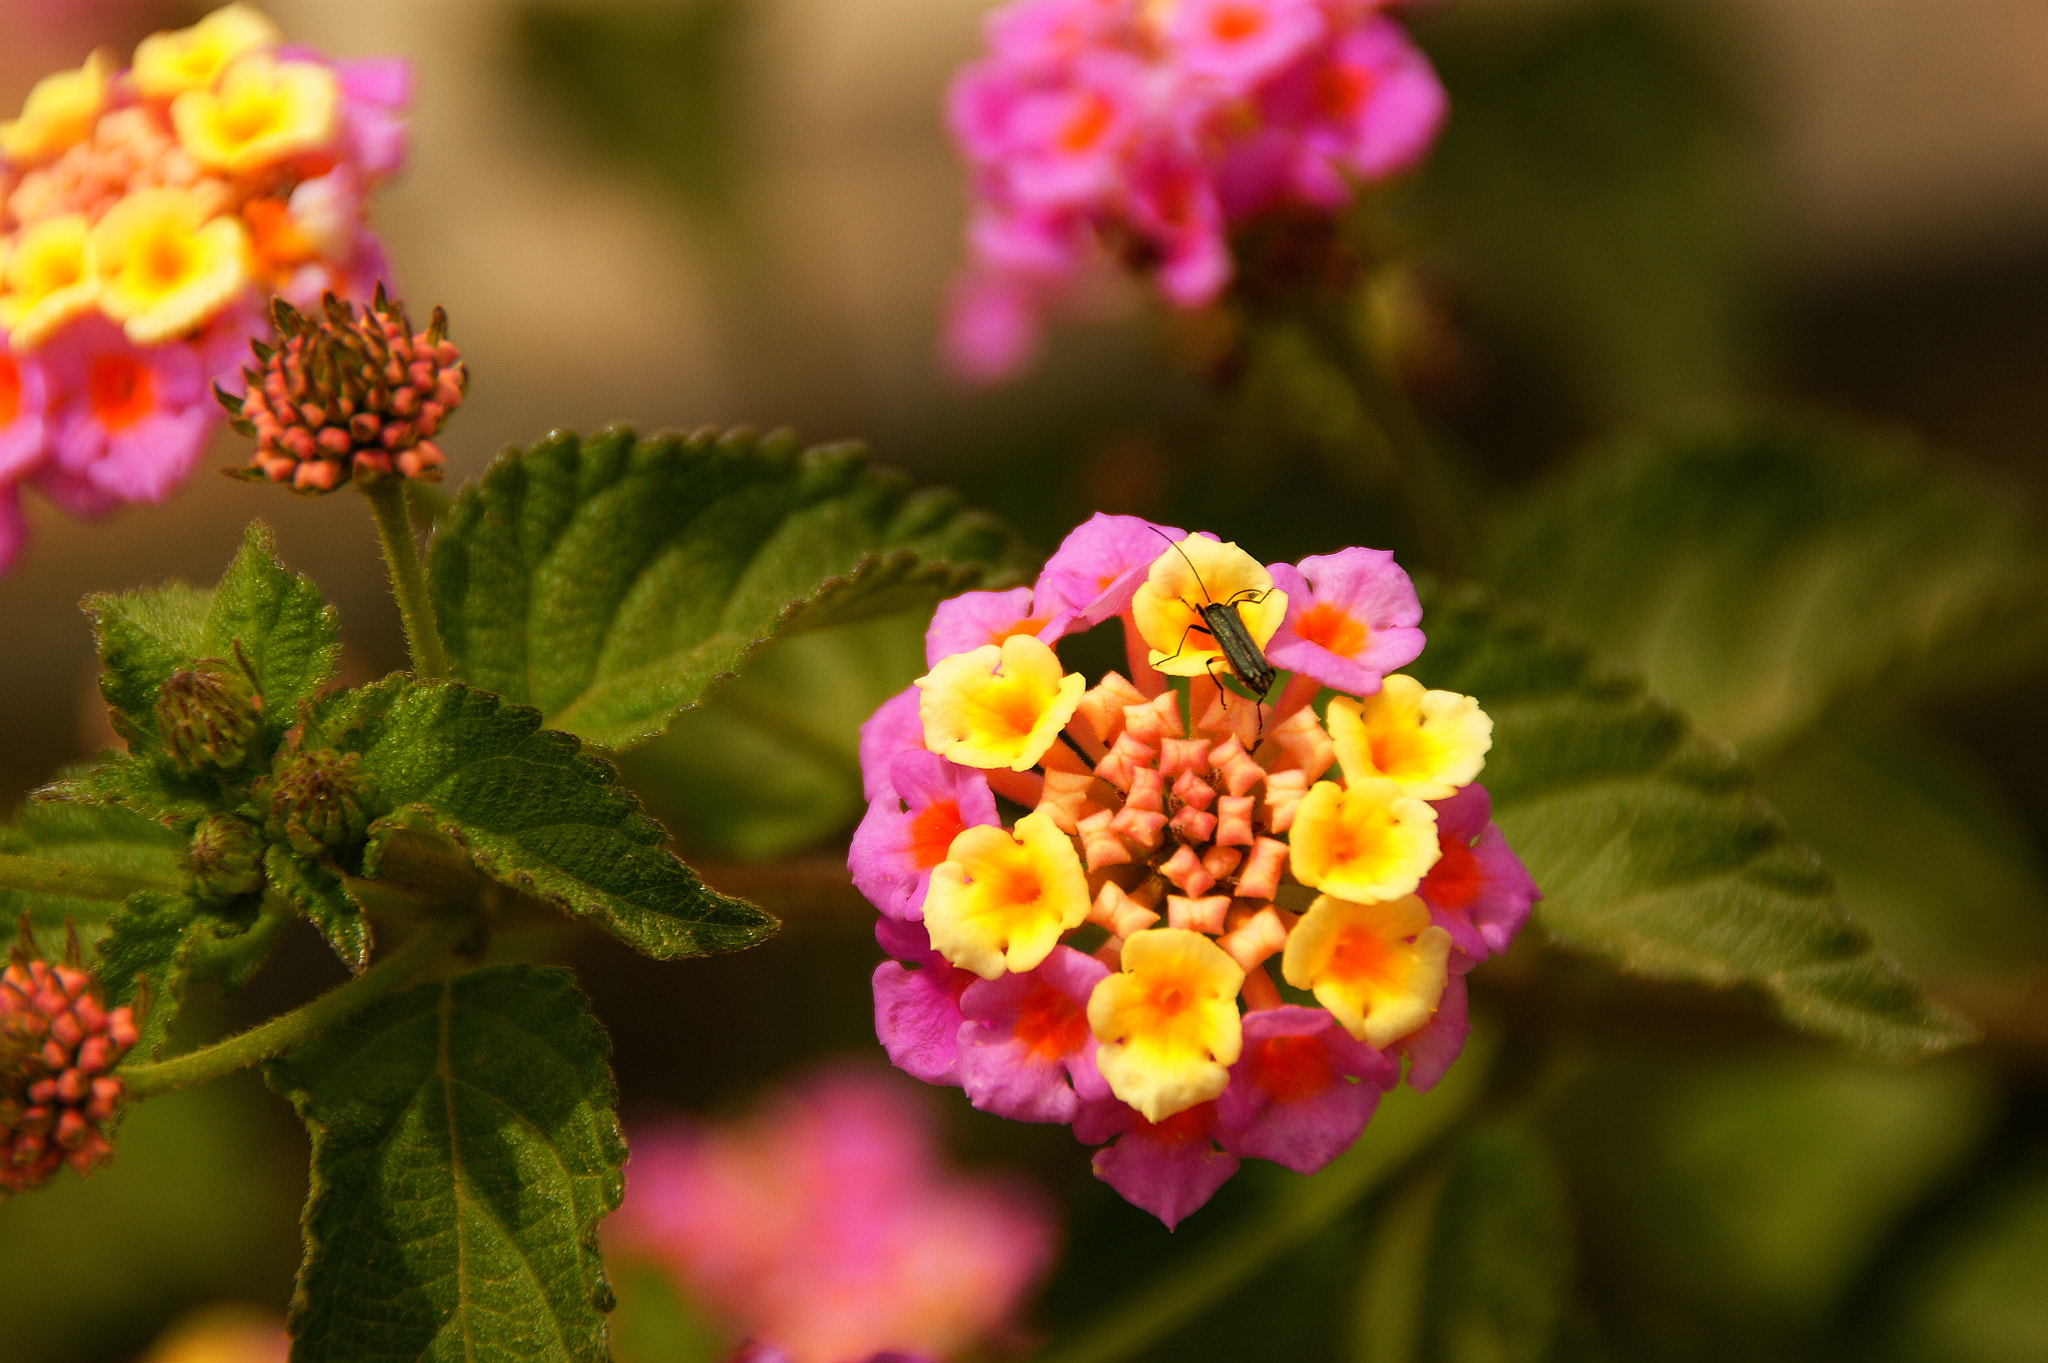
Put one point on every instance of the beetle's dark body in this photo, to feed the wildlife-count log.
(1222, 623)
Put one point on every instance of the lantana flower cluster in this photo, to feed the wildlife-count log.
(58, 1046)
(1151, 127)
(1107, 958)
(825, 1227)
(145, 214)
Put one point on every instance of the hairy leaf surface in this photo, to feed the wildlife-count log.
(464, 1151)
(532, 811)
(1650, 842)
(611, 582)
(97, 836)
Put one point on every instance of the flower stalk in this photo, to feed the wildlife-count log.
(408, 579)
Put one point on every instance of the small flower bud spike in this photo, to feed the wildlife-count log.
(58, 1046)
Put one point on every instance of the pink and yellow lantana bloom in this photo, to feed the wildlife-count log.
(1221, 923)
(146, 214)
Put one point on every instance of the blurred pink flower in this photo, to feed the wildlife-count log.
(826, 1228)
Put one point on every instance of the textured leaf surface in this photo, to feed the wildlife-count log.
(610, 582)
(286, 632)
(1759, 570)
(104, 838)
(317, 892)
(149, 946)
(533, 811)
(464, 1150)
(1650, 842)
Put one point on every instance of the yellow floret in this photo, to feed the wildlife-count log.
(1196, 572)
(265, 111)
(60, 111)
(998, 705)
(1167, 1023)
(163, 266)
(48, 280)
(1429, 742)
(1366, 840)
(1378, 967)
(169, 64)
(999, 902)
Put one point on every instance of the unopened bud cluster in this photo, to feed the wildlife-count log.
(346, 396)
(207, 714)
(315, 801)
(58, 1044)
(225, 859)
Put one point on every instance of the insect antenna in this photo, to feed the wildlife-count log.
(1175, 546)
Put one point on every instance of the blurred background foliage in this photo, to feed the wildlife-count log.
(1728, 323)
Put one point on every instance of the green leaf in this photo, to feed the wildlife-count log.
(150, 944)
(532, 811)
(277, 620)
(319, 895)
(464, 1150)
(148, 786)
(611, 582)
(1650, 842)
(1758, 570)
(99, 836)
(1477, 1264)
(770, 764)
(143, 637)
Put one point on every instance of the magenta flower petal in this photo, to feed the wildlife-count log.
(1292, 1097)
(1431, 1050)
(917, 1006)
(1171, 1168)
(133, 419)
(992, 328)
(13, 526)
(907, 832)
(1351, 619)
(895, 727)
(972, 619)
(1025, 1036)
(24, 398)
(1478, 891)
(1240, 43)
(1096, 570)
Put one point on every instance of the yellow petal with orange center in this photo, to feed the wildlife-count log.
(169, 64)
(1428, 742)
(1000, 705)
(1364, 840)
(1000, 902)
(48, 279)
(1191, 574)
(163, 266)
(1167, 1023)
(60, 111)
(1378, 967)
(264, 112)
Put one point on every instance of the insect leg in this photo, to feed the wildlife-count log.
(1182, 646)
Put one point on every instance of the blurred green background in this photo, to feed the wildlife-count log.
(1642, 216)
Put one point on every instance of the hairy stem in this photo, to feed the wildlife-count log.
(38, 876)
(408, 579)
(287, 1030)
(1406, 1125)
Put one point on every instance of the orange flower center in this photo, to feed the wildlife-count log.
(932, 830)
(1334, 628)
(1291, 1068)
(1454, 881)
(120, 390)
(1235, 23)
(1191, 1125)
(1029, 626)
(1049, 1024)
(1361, 955)
(1085, 127)
(1340, 90)
(165, 261)
(10, 390)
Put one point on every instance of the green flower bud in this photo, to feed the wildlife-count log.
(316, 801)
(225, 859)
(206, 716)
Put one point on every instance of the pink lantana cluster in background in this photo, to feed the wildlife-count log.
(1150, 127)
(1106, 959)
(825, 1227)
(146, 213)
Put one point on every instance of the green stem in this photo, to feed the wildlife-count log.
(1432, 508)
(1405, 1125)
(408, 579)
(38, 876)
(287, 1030)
